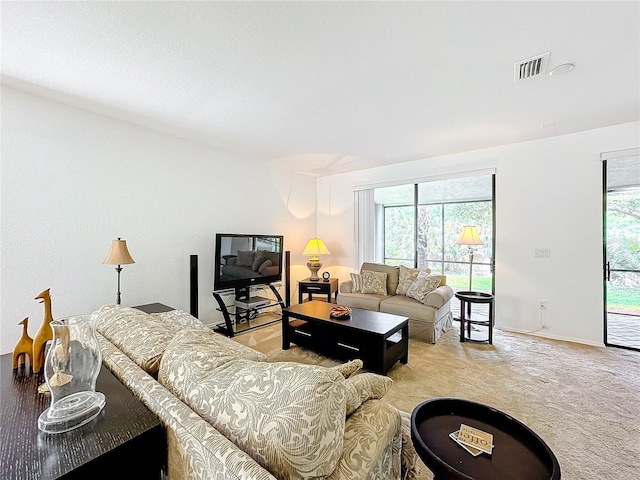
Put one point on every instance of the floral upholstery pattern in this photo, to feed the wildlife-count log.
(363, 387)
(289, 417)
(370, 446)
(423, 284)
(407, 277)
(374, 282)
(410, 465)
(195, 449)
(139, 335)
(180, 320)
(368, 436)
(349, 368)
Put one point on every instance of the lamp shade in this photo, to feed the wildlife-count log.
(118, 254)
(315, 247)
(469, 236)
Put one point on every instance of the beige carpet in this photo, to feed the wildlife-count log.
(583, 401)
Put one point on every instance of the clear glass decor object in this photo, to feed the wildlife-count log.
(71, 368)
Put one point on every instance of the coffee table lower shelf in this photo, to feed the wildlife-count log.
(378, 339)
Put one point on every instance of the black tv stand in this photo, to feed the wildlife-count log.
(246, 308)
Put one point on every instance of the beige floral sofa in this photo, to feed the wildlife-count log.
(423, 298)
(230, 414)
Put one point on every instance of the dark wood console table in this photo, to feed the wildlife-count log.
(124, 441)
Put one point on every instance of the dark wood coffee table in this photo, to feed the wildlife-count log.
(378, 339)
(125, 440)
(518, 453)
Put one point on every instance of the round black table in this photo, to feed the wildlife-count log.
(518, 453)
(468, 318)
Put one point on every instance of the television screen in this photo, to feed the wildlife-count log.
(243, 260)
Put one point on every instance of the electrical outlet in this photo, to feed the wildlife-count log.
(542, 304)
(542, 253)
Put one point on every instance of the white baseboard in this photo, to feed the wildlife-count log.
(539, 333)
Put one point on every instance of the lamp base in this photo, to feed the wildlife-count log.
(313, 267)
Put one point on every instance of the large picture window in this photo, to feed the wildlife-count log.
(419, 225)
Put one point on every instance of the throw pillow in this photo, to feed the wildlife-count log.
(422, 285)
(245, 258)
(374, 282)
(259, 258)
(264, 265)
(363, 387)
(349, 368)
(407, 277)
(356, 283)
(392, 272)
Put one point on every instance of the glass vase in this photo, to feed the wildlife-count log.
(71, 368)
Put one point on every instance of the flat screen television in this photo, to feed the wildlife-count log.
(243, 260)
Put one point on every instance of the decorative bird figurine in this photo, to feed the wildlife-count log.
(24, 348)
(45, 333)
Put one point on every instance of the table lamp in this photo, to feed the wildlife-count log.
(469, 236)
(118, 255)
(315, 247)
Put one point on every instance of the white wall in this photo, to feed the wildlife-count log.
(548, 195)
(72, 181)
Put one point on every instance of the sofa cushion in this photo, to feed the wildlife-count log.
(288, 416)
(179, 320)
(363, 387)
(361, 300)
(140, 336)
(408, 307)
(392, 272)
(423, 284)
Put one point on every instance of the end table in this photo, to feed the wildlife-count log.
(467, 318)
(311, 287)
(518, 453)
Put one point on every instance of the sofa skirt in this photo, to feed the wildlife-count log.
(430, 332)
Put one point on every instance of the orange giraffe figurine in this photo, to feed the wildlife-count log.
(45, 333)
(24, 347)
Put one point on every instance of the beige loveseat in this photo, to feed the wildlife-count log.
(229, 414)
(429, 317)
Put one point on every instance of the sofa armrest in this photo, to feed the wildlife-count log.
(345, 287)
(369, 437)
(439, 297)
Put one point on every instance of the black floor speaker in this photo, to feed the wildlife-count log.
(287, 278)
(193, 264)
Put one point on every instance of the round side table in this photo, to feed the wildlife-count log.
(518, 453)
(467, 318)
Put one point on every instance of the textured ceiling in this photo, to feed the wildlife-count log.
(324, 87)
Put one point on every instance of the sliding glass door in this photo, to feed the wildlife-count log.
(419, 225)
(621, 205)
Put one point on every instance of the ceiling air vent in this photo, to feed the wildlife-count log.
(530, 67)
